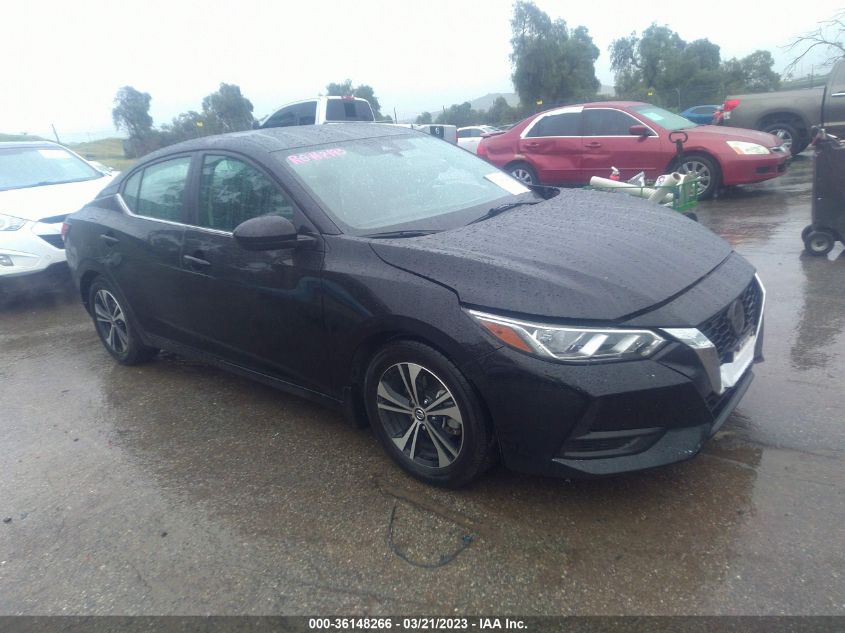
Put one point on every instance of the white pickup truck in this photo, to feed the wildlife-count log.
(339, 109)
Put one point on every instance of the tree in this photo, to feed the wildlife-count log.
(227, 110)
(185, 126)
(425, 118)
(661, 67)
(500, 113)
(829, 37)
(363, 91)
(131, 113)
(460, 115)
(550, 62)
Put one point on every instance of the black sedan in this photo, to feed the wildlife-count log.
(460, 314)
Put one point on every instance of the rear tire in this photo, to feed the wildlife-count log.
(819, 243)
(524, 173)
(115, 327)
(427, 416)
(789, 136)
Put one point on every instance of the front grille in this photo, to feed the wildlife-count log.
(54, 240)
(720, 328)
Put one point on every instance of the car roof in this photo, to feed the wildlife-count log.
(278, 139)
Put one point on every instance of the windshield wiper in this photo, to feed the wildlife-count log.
(492, 213)
(408, 233)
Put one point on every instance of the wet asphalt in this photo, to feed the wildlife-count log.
(176, 488)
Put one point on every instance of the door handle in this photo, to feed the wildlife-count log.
(109, 240)
(195, 262)
(532, 145)
(594, 144)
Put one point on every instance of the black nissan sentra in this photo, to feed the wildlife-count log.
(406, 281)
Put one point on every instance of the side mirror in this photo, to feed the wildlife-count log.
(639, 130)
(268, 233)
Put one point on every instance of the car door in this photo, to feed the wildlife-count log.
(552, 145)
(607, 143)
(259, 309)
(142, 247)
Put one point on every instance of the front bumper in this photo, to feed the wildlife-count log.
(742, 170)
(571, 420)
(32, 248)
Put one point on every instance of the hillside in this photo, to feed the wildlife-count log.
(108, 151)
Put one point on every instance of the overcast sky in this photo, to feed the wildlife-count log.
(62, 62)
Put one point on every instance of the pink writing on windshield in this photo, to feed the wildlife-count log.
(298, 159)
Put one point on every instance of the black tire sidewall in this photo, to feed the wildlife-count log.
(477, 441)
(793, 132)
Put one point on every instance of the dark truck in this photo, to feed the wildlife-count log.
(790, 114)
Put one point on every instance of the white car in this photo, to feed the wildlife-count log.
(470, 137)
(41, 183)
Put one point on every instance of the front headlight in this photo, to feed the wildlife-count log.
(747, 149)
(570, 343)
(8, 223)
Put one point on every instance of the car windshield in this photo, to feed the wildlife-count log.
(22, 167)
(664, 118)
(400, 182)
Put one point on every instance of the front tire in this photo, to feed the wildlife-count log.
(707, 171)
(114, 325)
(427, 416)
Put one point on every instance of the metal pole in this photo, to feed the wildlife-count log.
(56, 134)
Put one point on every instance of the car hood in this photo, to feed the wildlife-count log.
(35, 203)
(582, 255)
(705, 133)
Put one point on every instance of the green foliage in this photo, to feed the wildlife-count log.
(662, 68)
(463, 114)
(226, 110)
(460, 115)
(363, 91)
(550, 62)
(752, 73)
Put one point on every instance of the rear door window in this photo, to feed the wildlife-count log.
(348, 110)
(160, 190)
(565, 124)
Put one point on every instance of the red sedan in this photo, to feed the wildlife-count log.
(571, 144)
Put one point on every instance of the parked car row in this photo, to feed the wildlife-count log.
(569, 145)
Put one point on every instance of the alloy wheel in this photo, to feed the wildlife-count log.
(420, 415)
(523, 175)
(784, 135)
(699, 169)
(111, 321)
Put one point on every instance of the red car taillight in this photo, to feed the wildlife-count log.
(65, 229)
(730, 104)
